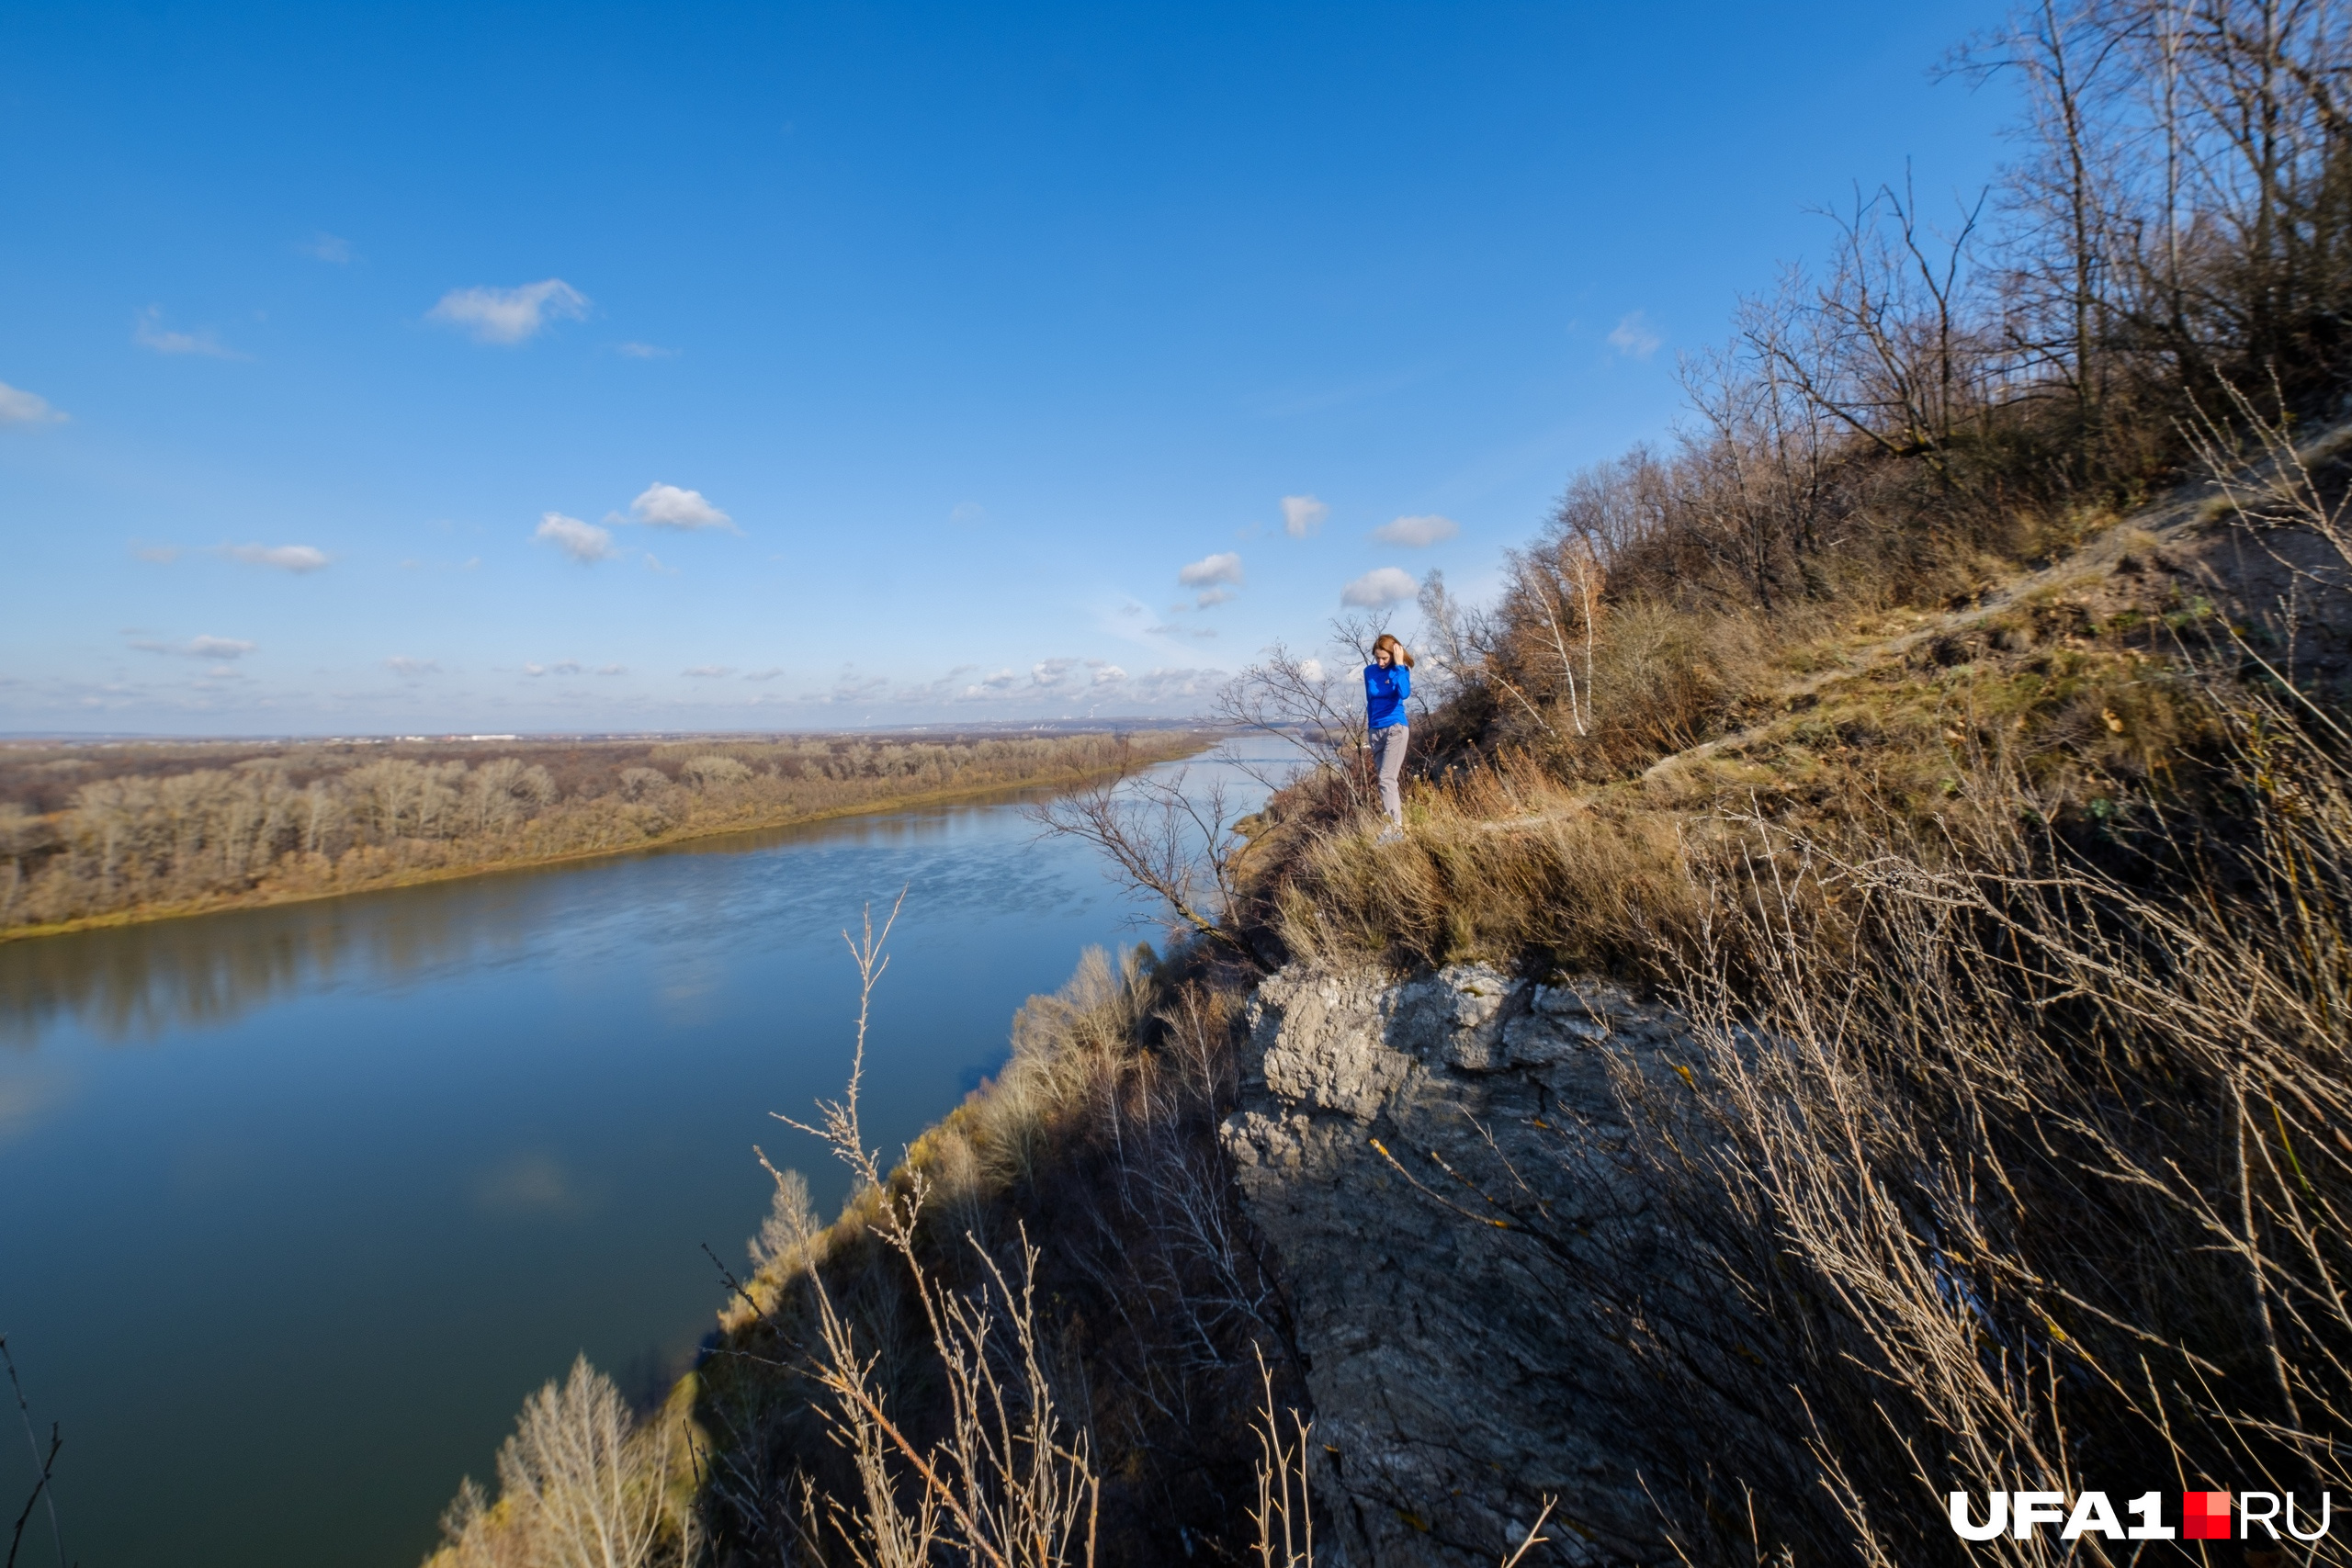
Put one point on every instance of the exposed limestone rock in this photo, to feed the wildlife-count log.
(1460, 1371)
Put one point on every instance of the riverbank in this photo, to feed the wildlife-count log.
(717, 808)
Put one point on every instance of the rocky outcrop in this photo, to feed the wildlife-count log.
(1441, 1170)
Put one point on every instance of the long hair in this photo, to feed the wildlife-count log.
(1397, 650)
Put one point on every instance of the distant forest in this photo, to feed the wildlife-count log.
(104, 831)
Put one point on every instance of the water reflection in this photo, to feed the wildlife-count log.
(139, 982)
(136, 983)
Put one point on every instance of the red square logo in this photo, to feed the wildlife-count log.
(2205, 1516)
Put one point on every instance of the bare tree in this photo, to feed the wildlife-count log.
(1169, 836)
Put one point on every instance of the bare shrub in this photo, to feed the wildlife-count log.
(1011, 1481)
(582, 1484)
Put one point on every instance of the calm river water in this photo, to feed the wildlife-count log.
(297, 1204)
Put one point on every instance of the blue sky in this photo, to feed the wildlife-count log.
(492, 367)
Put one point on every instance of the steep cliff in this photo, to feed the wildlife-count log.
(1437, 1168)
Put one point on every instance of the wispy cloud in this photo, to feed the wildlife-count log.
(1632, 338)
(667, 506)
(1167, 685)
(1223, 567)
(709, 671)
(561, 667)
(509, 315)
(151, 333)
(1382, 585)
(1211, 597)
(296, 558)
(401, 664)
(583, 542)
(1417, 533)
(644, 351)
(204, 647)
(161, 555)
(1302, 516)
(326, 248)
(21, 407)
(611, 669)
(968, 512)
(770, 673)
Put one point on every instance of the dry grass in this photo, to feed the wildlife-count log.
(1498, 865)
(2027, 1171)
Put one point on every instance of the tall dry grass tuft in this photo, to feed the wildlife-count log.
(1503, 865)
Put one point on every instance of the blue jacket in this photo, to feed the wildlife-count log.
(1384, 692)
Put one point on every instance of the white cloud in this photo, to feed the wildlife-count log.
(561, 667)
(583, 542)
(1002, 680)
(401, 664)
(1633, 337)
(21, 407)
(1312, 669)
(611, 669)
(1224, 567)
(1302, 514)
(509, 315)
(770, 673)
(667, 506)
(151, 333)
(1382, 585)
(1211, 596)
(217, 647)
(710, 672)
(646, 351)
(1109, 675)
(327, 248)
(296, 558)
(1417, 533)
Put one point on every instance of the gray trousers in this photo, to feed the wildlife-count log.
(1388, 760)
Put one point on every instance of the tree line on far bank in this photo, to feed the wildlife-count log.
(329, 818)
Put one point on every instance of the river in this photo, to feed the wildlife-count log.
(297, 1204)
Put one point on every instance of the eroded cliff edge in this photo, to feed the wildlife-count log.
(1440, 1169)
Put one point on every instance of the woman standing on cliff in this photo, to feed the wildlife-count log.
(1387, 682)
